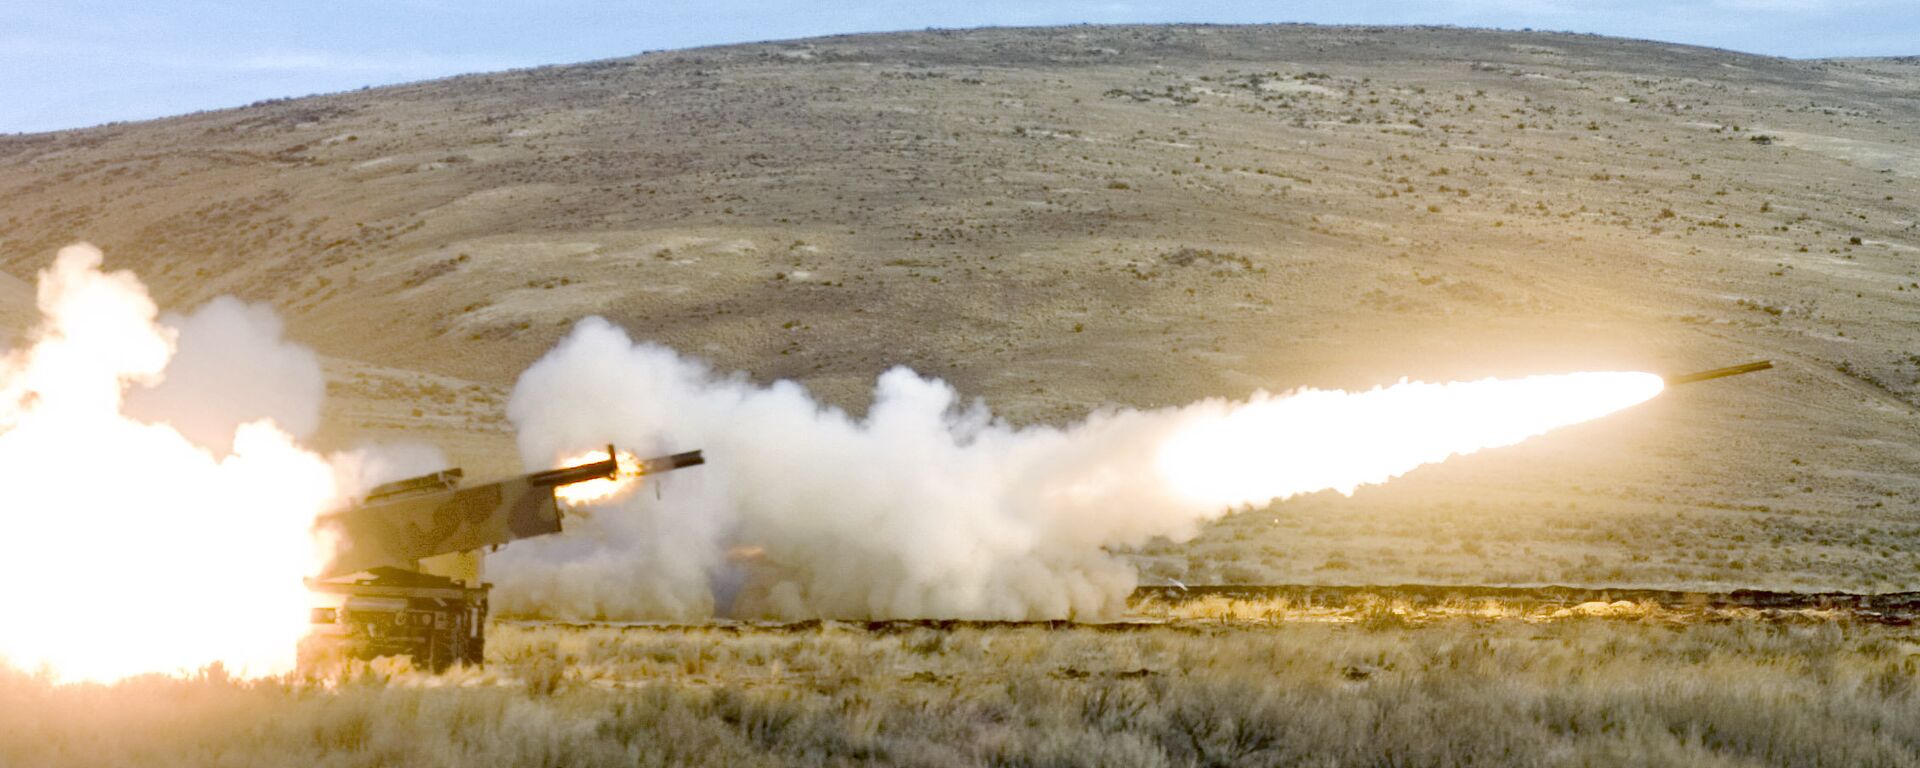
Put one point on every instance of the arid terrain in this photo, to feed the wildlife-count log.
(1068, 219)
(1206, 683)
(1058, 220)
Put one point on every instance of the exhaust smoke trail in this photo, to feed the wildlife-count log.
(929, 507)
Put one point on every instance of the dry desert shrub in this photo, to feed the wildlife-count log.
(1433, 691)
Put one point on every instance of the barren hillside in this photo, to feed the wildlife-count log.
(1062, 219)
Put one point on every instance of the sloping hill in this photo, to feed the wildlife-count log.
(1057, 219)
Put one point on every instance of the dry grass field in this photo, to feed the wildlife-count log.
(1206, 683)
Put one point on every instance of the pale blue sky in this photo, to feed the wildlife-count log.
(69, 63)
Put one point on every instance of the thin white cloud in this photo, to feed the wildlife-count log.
(1533, 8)
(405, 64)
(397, 64)
(1793, 6)
(1538, 8)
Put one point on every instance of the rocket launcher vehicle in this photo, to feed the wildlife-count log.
(377, 598)
(406, 521)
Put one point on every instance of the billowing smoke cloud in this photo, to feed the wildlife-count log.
(231, 366)
(364, 466)
(929, 506)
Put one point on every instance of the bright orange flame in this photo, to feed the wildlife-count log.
(124, 547)
(1280, 446)
(600, 488)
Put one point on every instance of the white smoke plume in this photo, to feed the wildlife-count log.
(359, 469)
(231, 366)
(929, 507)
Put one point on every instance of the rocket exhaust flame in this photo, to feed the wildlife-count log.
(625, 479)
(1273, 448)
(93, 570)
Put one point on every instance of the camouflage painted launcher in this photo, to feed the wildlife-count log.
(405, 521)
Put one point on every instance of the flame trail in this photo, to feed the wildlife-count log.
(126, 547)
(1271, 448)
(926, 508)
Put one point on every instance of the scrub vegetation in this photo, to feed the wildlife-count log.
(1214, 682)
